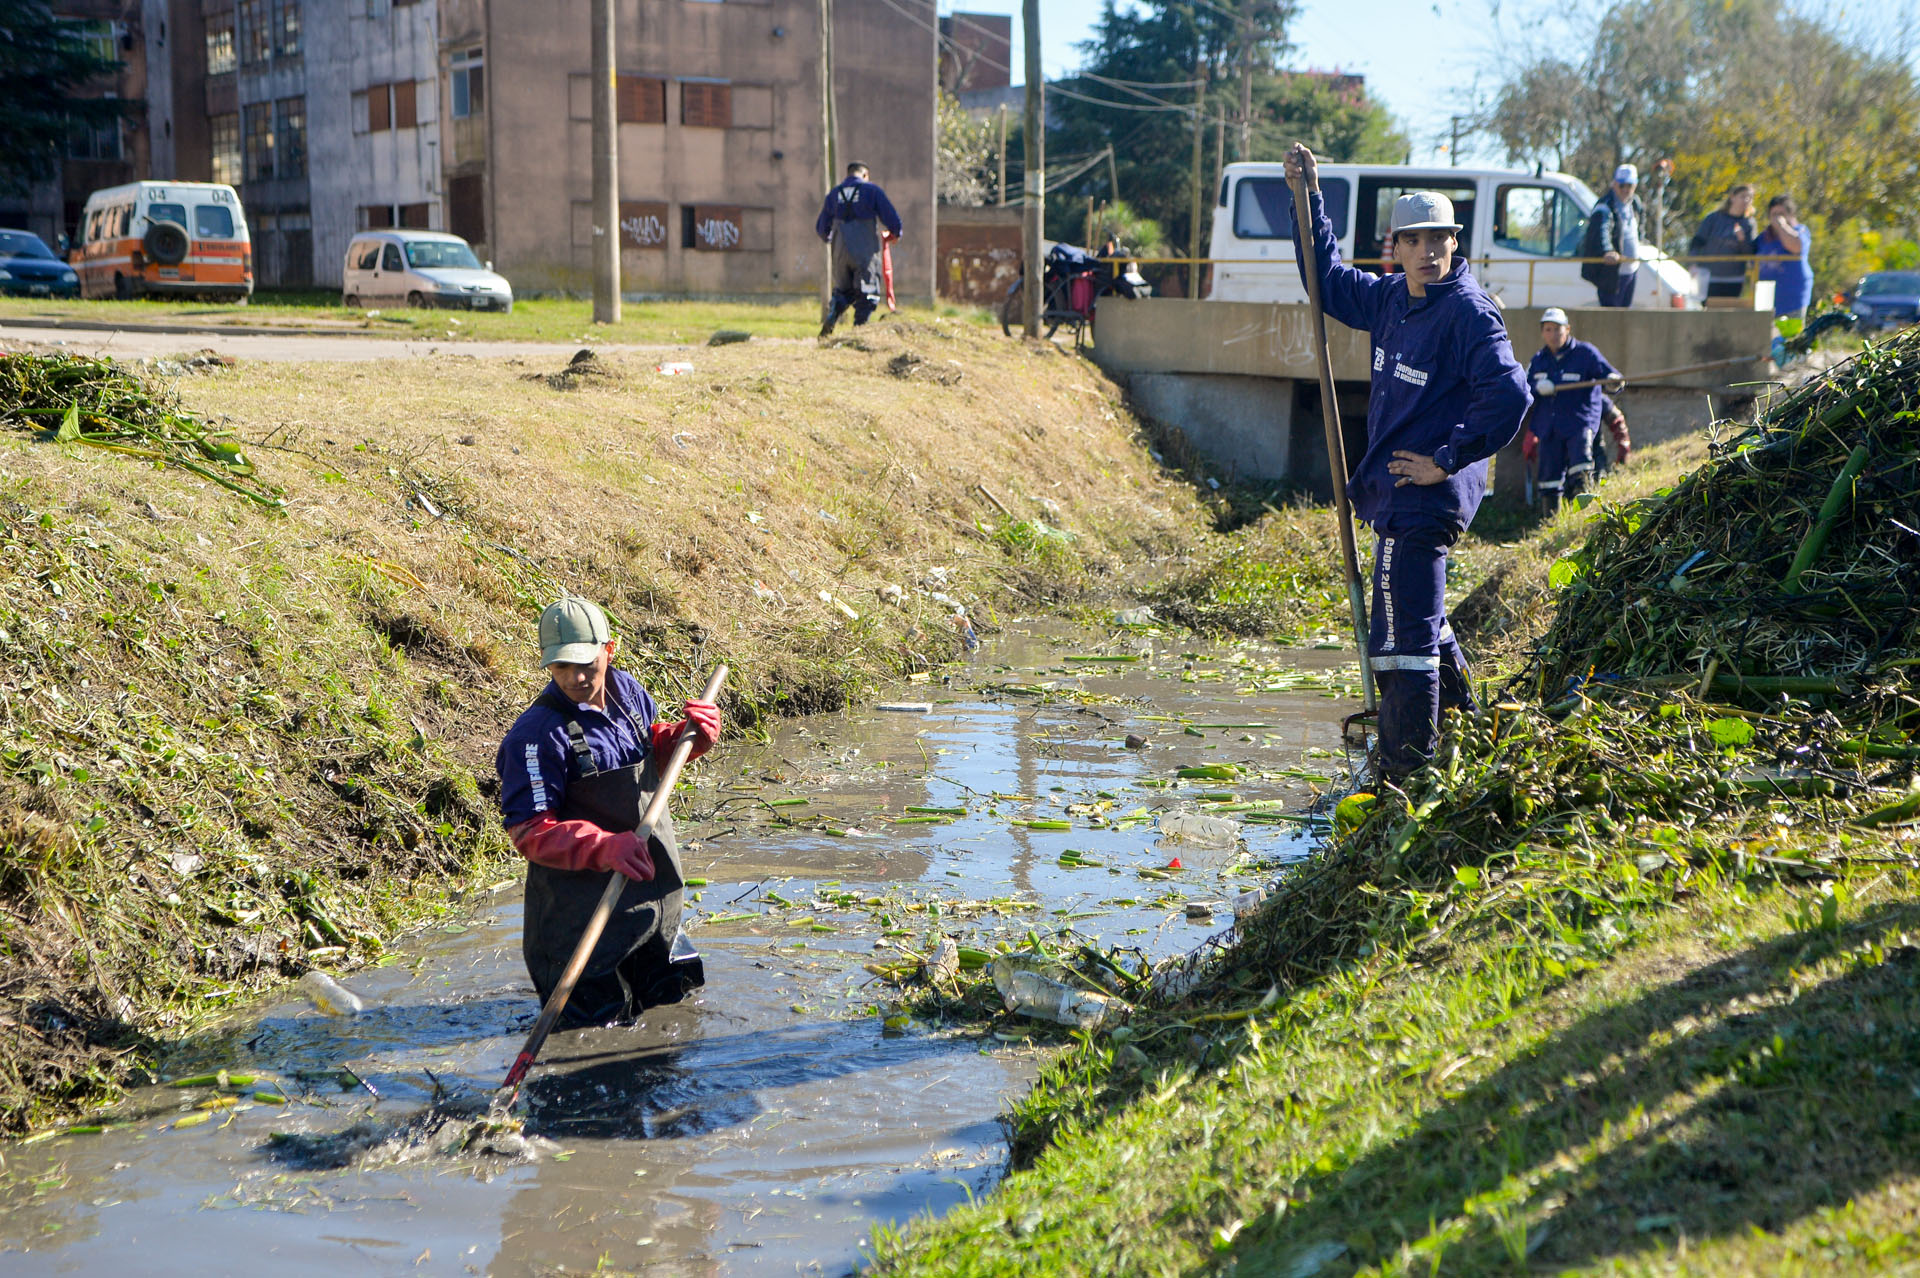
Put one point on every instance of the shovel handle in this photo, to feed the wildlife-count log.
(616, 884)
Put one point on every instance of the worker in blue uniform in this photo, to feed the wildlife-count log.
(1447, 395)
(1565, 421)
(850, 221)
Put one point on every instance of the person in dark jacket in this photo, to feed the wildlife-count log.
(1447, 395)
(1613, 235)
(1566, 422)
(1728, 231)
(851, 220)
(577, 770)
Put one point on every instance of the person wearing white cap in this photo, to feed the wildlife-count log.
(1613, 236)
(1565, 422)
(1447, 395)
(576, 771)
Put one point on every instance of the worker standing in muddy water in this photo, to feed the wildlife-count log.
(1447, 395)
(1565, 422)
(576, 771)
(850, 221)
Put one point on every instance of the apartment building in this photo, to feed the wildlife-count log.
(106, 156)
(473, 116)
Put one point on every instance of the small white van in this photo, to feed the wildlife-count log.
(420, 268)
(1522, 231)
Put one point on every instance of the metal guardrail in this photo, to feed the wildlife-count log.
(1749, 276)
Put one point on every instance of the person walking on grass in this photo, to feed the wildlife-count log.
(852, 220)
(1566, 421)
(576, 771)
(1447, 395)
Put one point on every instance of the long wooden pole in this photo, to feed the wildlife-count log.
(1682, 371)
(1336, 443)
(590, 937)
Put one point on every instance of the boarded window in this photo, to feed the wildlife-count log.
(375, 216)
(712, 228)
(640, 99)
(379, 109)
(405, 114)
(704, 105)
(466, 209)
(416, 217)
(643, 224)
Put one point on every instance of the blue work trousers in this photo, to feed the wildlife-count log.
(1566, 464)
(1622, 294)
(1418, 667)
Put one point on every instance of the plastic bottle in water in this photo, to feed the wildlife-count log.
(330, 996)
(1027, 991)
(1199, 828)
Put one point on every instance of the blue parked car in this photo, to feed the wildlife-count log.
(29, 268)
(1887, 299)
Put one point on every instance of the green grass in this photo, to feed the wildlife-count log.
(534, 319)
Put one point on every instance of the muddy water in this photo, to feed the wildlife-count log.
(767, 1124)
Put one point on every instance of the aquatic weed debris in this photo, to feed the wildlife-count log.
(77, 399)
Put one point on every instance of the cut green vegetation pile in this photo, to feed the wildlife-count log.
(1790, 563)
(73, 399)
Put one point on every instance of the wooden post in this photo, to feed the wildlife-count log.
(1034, 185)
(606, 166)
(1002, 188)
(1193, 230)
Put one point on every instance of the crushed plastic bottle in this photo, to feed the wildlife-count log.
(1141, 616)
(1200, 829)
(1247, 902)
(1045, 999)
(330, 996)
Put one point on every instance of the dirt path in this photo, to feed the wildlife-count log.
(294, 348)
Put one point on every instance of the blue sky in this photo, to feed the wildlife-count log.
(1419, 56)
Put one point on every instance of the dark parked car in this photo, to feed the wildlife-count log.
(1887, 299)
(29, 268)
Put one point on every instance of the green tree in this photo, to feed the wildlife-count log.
(1135, 92)
(44, 62)
(963, 160)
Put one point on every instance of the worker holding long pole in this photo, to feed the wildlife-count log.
(1447, 394)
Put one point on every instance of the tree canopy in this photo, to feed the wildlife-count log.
(1730, 91)
(44, 60)
(1136, 92)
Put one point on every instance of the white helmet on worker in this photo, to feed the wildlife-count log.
(1423, 211)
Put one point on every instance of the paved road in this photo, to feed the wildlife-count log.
(129, 344)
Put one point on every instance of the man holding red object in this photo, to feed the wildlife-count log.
(576, 771)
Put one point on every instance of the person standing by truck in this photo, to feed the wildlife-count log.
(1613, 236)
(1447, 395)
(1565, 422)
(850, 221)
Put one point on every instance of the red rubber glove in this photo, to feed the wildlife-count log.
(705, 718)
(581, 845)
(1529, 444)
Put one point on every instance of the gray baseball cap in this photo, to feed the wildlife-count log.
(573, 630)
(1423, 211)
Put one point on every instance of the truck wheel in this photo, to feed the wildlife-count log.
(416, 299)
(122, 288)
(351, 301)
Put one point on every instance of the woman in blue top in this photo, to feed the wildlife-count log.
(1786, 243)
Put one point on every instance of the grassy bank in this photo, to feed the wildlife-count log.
(1624, 983)
(534, 319)
(236, 743)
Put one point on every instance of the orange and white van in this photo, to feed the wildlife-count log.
(160, 238)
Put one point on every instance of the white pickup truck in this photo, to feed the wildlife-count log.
(1522, 231)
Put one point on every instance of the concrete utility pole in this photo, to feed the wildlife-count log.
(1243, 142)
(829, 143)
(606, 167)
(1034, 184)
(1002, 188)
(1193, 228)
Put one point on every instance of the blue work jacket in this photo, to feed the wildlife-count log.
(855, 201)
(534, 756)
(1445, 382)
(1568, 414)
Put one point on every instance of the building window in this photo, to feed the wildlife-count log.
(286, 28)
(376, 217)
(101, 38)
(713, 228)
(640, 99)
(290, 137)
(221, 59)
(405, 112)
(643, 224)
(101, 142)
(379, 108)
(259, 122)
(408, 217)
(469, 84)
(706, 104)
(256, 37)
(224, 132)
(416, 217)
